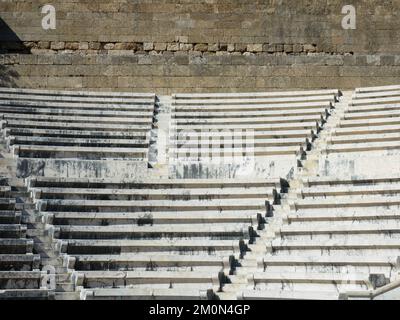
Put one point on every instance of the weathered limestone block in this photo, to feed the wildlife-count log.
(297, 48)
(257, 47)
(148, 46)
(213, 47)
(288, 48)
(185, 46)
(160, 46)
(201, 47)
(241, 47)
(58, 45)
(72, 45)
(44, 45)
(173, 47)
(109, 46)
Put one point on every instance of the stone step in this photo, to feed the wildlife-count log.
(178, 114)
(16, 246)
(111, 246)
(149, 262)
(10, 217)
(340, 216)
(12, 231)
(225, 231)
(381, 129)
(286, 295)
(20, 280)
(309, 279)
(147, 294)
(284, 260)
(154, 194)
(353, 139)
(259, 100)
(156, 218)
(245, 120)
(95, 153)
(228, 152)
(19, 262)
(378, 100)
(369, 122)
(48, 110)
(355, 201)
(153, 205)
(24, 91)
(249, 95)
(217, 141)
(350, 228)
(83, 120)
(78, 142)
(363, 147)
(276, 127)
(77, 126)
(80, 133)
(57, 182)
(235, 134)
(101, 279)
(77, 99)
(26, 294)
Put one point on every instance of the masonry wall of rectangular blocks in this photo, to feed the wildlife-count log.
(168, 46)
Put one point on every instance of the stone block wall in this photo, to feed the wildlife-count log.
(199, 45)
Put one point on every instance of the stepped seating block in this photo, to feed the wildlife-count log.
(101, 279)
(73, 120)
(204, 142)
(189, 153)
(355, 201)
(152, 205)
(7, 204)
(225, 231)
(77, 99)
(16, 246)
(308, 279)
(76, 126)
(106, 143)
(305, 125)
(246, 120)
(10, 217)
(261, 100)
(12, 231)
(353, 139)
(24, 91)
(16, 110)
(363, 147)
(147, 294)
(94, 153)
(368, 101)
(19, 262)
(78, 105)
(248, 95)
(148, 262)
(287, 295)
(199, 114)
(112, 246)
(153, 194)
(20, 279)
(75, 134)
(345, 229)
(58, 182)
(344, 216)
(342, 260)
(376, 89)
(26, 294)
(82, 168)
(143, 218)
